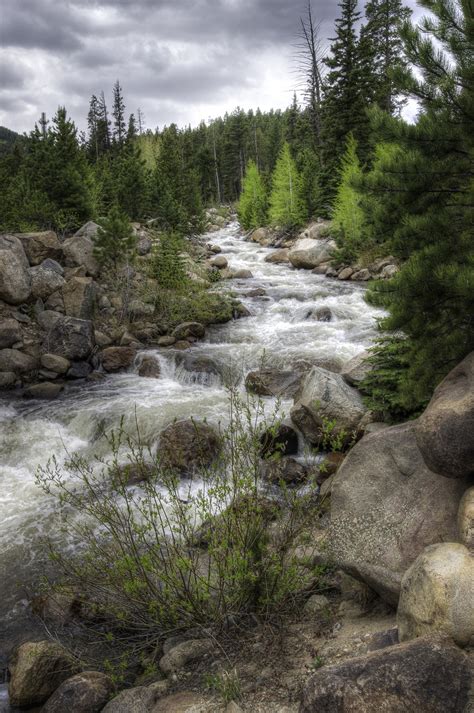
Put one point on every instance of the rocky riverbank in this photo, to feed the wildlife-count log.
(394, 609)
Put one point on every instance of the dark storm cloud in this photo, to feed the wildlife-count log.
(181, 60)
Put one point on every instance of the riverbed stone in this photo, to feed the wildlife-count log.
(189, 329)
(188, 444)
(445, 430)
(37, 669)
(308, 253)
(278, 256)
(70, 338)
(273, 382)
(241, 274)
(44, 281)
(220, 262)
(79, 297)
(79, 249)
(430, 675)
(284, 470)
(345, 274)
(46, 391)
(356, 369)
(115, 359)
(326, 396)
(386, 507)
(7, 379)
(10, 333)
(41, 246)
(166, 341)
(86, 692)
(55, 363)
(466, 519)
(133, 700)
(149, 367)
(17, 362)
(184, 702)
(184, 653)
(15, 279)
(437, 595)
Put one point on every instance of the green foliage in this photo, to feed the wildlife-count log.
(383, 386)
(167, 266)
(226, 685)
(252, 208)
(152, 562)
(348, 220)
(114, 243)
(286, 203)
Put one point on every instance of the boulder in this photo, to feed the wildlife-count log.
(201, 364)
(79, 249)
(149, 366)
(241, 274)
(138, 309)
(326, 396)
(466, 519)
(7, 379)
(10, 333)
(55, 363)
(37, 669)
(41, 246)
(70, 338)
(278, 256)
(220, 262)
(185, 702)
(273, 382)
(356, 369)
(386, 507)
(166, 341)
(316, 230)
(44, 281)
(184, 653)
(263, 236)
(282, 440)
(430, 675)
(286, 470)
(317, 604)
(46, 391)
(188, 444)
(15, 280)
(322, 314)
(79, 370)
(48, 319)
(389, 271)
(86, 692)
(15, 361)
(144, 245)
(134, 700)
(51, 264)
(444, 431)
(189, 329)
(117, 358)
(361, 275)
(437, 595)
(308, 253)
(345, 274)
(79, 296)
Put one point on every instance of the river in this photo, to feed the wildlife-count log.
(278, 326)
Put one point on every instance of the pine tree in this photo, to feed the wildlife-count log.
(118, 113)
(310, 62)
(114, 243)
(348, 220)
(167, 264)
(286, 204)
(252, 208)
(344, 109)
(425, 194)
(381, 50)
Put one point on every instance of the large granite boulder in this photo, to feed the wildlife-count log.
(187, 445)
(12, 360)
(386, 507)
(79, 296)
(445, 431)
(141, 699)
(428, 675)
(308, 253)
(325, 396)
(437, 595)
(36, 671)
(356, 369)
(41, 246)
(184, 653)
(15, 280)
(273, 382)
(86, 692)
(10, 333)
(79, 249)
(117, 358)
(44, 281)
(70, 338)
(189, 329)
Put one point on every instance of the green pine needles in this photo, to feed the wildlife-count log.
(252, 208)
(114, 244)
(348, 221)
(287, 208)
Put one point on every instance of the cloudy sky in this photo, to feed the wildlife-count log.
(179, 60)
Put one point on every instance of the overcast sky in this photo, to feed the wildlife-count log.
(179, 60)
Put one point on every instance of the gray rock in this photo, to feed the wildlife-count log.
(428, 675)
(283, 470)
(7, 379)
(278, 256)
(345, 274)
(166, 341)
(137, 308)
(326, 396)
(241, 275)
(184, 653)
(437, 595)
(46, 391)
(79, 249)
(70, 338)
(85, 692)
(117, 358)
(308, 253)
(79, 370)
(79, 297)
(149, 367)
(316, 604)
(385, 509)
(41, 246)
(48, 319)
(356, 369)
(10, 333)
(144, 245)
(465, 519)
(273, 382)
(133, 700)
(44, 281)
(185, 702)
(15, 280)
(55, 363)
(445, 430)
(51, 264)
(15, 361)
(281, 439)
(188, 444)
(220, 262)
(361, 275)
(189, 329)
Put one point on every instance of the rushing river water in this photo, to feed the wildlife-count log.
(279, 326)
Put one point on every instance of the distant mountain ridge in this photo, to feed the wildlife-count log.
(7, 139)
